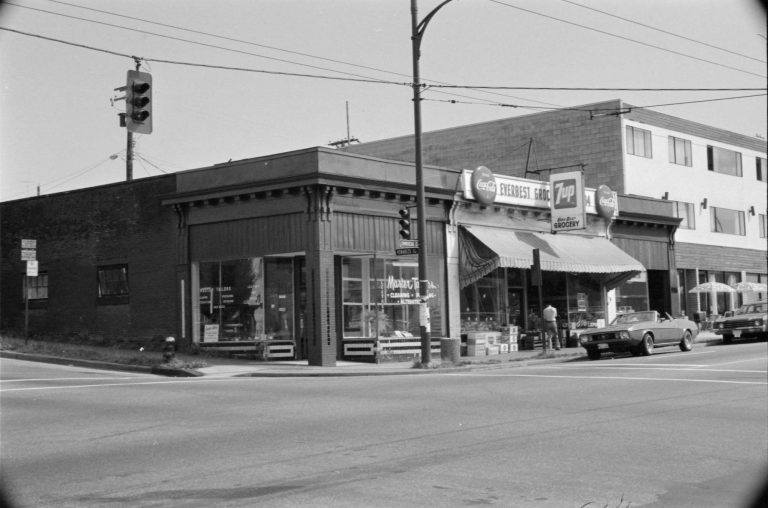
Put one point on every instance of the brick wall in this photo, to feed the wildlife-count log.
(76, 232)
(560, 138)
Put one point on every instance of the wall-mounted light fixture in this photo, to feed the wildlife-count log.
(704, 204)
(665, 196)
(752, 210)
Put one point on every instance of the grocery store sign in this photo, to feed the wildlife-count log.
(567, 203)
(515, 191)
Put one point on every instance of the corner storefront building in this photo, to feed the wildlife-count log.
(293, 256)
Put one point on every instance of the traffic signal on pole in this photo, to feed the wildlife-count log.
(405, 224)
(138, 102)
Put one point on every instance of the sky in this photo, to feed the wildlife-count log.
(235, 79)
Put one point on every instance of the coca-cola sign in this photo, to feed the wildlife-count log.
(484, 185)
(605, 202)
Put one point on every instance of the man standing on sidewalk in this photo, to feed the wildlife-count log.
(550, 327)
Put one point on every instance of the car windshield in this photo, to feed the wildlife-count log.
(752, 308)
(635, 317)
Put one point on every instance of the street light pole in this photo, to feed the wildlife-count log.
(417, 31)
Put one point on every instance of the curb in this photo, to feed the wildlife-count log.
(94, 364)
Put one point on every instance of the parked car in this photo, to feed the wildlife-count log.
(638, 333)
(750, 320)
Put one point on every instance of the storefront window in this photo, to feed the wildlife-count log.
(586, 308)
(482, 303)
(246, 299)
(632, 295)
(380, 298)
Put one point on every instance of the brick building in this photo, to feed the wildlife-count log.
(294, 255)
(714, 179)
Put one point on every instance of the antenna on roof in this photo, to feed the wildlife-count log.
(348, 140)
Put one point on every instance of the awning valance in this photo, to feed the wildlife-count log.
(482, 249)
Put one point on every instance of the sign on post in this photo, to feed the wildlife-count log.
(32, 268)
(27, 243)
(28, 254)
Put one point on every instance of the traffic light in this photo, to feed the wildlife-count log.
(138, 102)
(405, 224)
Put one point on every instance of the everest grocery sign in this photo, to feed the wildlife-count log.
(509, 190)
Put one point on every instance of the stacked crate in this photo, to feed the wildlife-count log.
(483, 343)
(508, 339)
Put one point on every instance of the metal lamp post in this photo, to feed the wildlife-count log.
(417, 31)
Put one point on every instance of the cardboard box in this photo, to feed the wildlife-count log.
(476, 350)
(493, 350)
(513, 347)
(504, 348)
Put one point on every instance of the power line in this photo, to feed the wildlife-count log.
(239, 41)
(179, 39)
(211, 66)
(506, 4)
(515, 106)
(356, 80)
(661, 30)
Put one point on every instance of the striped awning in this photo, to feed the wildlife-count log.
(485, 248)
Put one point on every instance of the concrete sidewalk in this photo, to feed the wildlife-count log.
(233, 367)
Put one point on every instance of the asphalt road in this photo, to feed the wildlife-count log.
(670, 430)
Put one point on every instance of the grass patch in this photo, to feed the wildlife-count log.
(110, 354)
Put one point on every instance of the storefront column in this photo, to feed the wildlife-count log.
(321, 332)
(453, 291)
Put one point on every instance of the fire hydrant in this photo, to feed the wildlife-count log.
(169, 349)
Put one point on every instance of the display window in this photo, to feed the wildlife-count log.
(246, 299)
(380, 298)
(632, 295)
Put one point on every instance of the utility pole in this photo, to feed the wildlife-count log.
(417, 32)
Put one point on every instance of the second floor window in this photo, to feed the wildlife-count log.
(722, 160)
(762, 169)
(686, 211)
(680, 151)
(639, 142)
(113, 280)
(763, 226)
(728, 221)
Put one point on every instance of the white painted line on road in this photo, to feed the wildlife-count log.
(665, 367)
(619, 378)
(742, 361)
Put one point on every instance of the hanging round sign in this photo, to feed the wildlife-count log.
(605, 202)
(484, 185)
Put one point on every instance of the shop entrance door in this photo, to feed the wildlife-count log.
(515, 304)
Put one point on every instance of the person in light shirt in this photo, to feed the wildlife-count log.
(550, 327)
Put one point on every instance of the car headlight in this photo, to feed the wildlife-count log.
(758, 322)
(624, 335)
(718, 325)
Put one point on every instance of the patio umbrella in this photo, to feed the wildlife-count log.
(745, 287)
(709, 287)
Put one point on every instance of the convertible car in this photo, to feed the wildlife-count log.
(638, 333)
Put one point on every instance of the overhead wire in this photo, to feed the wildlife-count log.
(585, 27)
(357, 80)
(667, 32)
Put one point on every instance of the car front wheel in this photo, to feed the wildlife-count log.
(646, 346)
(593, 354)
(727, 339)
(686, 344)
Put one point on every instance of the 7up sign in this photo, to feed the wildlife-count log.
(567, 202)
